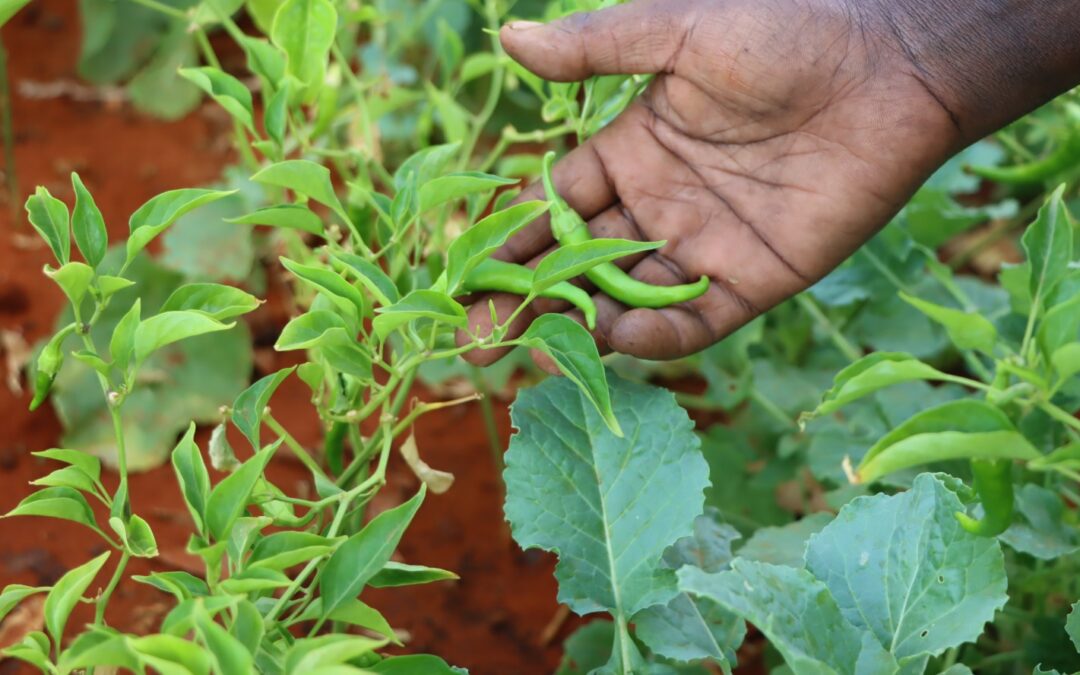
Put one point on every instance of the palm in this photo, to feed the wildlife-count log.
(771, 144)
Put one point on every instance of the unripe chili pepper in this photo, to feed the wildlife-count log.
(1063, 158)
(570, 228)
(994, 485)
(496, 275)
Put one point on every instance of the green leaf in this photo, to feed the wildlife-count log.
(569, 261)
(306, 330)
(161, 652)
(154, 216)
(217, 301)
(13, 594)
(609, 506)
(967, 330)
(344, 354)
(228, 653)
(422, 304)
(443, 189)
(248, 627)
(354, 613)
(341, 292)
(122, 342)
(110, 285)
(960, 429)
(229, 92)
(452, 117)
(304, 30)
(168, 327)
(282, 550)
(1060, 326)
(790, 607)
(371, 276)
(157, 89)
(320, 654)
(192, 476)
(73, 278)
(255, 580)
(229, 497)
(49, 216)
(412, 664)
(8, 8)
(182, 585)
(394, 574)
(88, 464)
(247, 409)
(574, 351)
(140, 538)
(56, 502)
(1066, 361)
(87, 224)
(587, 649)
(1072, 625)
(70, 476)
(1043, 532)
(478, 242)
(902, 567)
(784, 544)
(48, 365)
(357, 560)
(1048, 245)
(290, 216)
(66, 594)
(873, 372)
(34, 650)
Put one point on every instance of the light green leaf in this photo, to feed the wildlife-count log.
(154, 216)
(13, 594)
(967, 330)
(1072, 625)
(182, 585)
(873, 372)
(192, 477)
(304, 30)
(49, 216)
(247, 409)
(8, 8)
(1048, 245)
(371, 276)
(73, 278)
(229, 497)
(48, 364)
(358, 559)
(394, 574)
(228, 653)
(344, 354)
(790, 607)
(569, 261)
(88, 464)
(1060, 326)
(70, 476)
(308, 654)
(478, 242)
(422, 304)
(217, 301)
(1066, 361)
(784, 544)
(282, 550)
(354, 613)
(902, 567)
(168, 327)
(443, 189)
(291, 216)
(574, 351)
(609, 506)
(122, 341)
(87, 224)
(229, 92)
(412, 664)
(341, 292)
(34, 650)
(66, 594)
(110, 285)
(306, 330)
(162, 652)
(255, 580)
(248, 627)
(56, 502)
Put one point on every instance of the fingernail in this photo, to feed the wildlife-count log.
(523, 25)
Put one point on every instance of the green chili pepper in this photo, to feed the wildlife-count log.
(496, 275)
(994, 485)
(1063, 158)
(570, 228)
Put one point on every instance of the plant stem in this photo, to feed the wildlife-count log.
(294, 445)
(488, 411)
(103, 599)
(163, 8)
(491, 15)
(11, 172)
(809, 306)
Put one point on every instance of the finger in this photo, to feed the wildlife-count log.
(582, 180)
(645, 36)
(479, 322)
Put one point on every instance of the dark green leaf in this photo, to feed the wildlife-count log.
(229, 497)
(394, 574)
(247, 410)
(192, 477)
(87, 224)
(49, 216)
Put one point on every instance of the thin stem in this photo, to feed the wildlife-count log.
(808, 305)
(103, 599)
(294, 445)
(491, 14)
(488, 412)
(163, 8)
(1059, 415)
(11, 173)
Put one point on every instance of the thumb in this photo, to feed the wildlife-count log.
(640, 37)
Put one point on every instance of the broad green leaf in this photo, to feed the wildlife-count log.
(304, 30)
(967, 330)
(791, 608)
(1043, 531)
(567, 262)
(784, 544)
(443, 189)
(609, 506)
(371, 276)
(87, 224)
(229, 497)
(305, 331)
(394, 574)
(247, 410)
(229, 92)
(361, 556)
(587, 649)
(99, 647)
(478, 242)
(961, 429)
(49, 216)
(873, 372)
(341, 292)
(192, 477)
(168, 327)
(182, 585)
(574, 351)
(12, 595)
(1066, 361)
(291, 216)
(73, 278)
(151, 219)
(217, 301)
(66, 594)
(8, 8)
(1048, 245)
(422, 304)
(228, 653)
(902, 567)
(56, 502)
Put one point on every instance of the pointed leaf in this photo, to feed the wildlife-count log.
(371, 276)
(87, 224)
(217, 301)
(394, 574)
(1048, 245)
(168, 327)
(154, 216)
(967, 330)
(73, 278)
(247, 409)
(66, 594)
(56, 502)
(422, 304)
(192, 477)
(569, 261)
(306, 330)
(49, 216)
(229, 92)
(303, 176)
(443, 189)
(289, 216)
(304, 30)
(229, 497)
(873, 372)
(478, 242)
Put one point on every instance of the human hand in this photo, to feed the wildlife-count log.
(776, 138)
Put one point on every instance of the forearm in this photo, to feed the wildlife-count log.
(987, 61)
